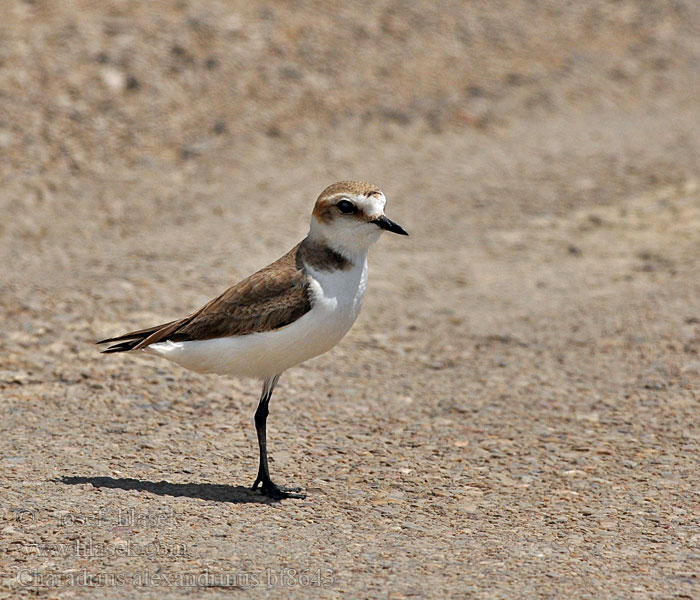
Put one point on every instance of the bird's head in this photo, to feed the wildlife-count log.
(349, 217)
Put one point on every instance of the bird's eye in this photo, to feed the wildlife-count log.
(346, 207)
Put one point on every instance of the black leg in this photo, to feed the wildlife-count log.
(268, 487)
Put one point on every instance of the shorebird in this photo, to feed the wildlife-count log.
(296, 308)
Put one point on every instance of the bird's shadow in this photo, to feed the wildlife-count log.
(236, 494)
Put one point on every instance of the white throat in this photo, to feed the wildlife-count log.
(352, 242)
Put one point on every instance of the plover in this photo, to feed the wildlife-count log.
(298, 307)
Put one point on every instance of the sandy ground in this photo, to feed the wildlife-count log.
(515, 414)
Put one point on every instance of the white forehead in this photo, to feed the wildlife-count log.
(372, 206)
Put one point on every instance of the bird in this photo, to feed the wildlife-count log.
(294, 309)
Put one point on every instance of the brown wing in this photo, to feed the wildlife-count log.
(269, 299)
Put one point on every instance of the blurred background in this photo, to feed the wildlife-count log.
(94, 88)
(543, 318)
(142, 120)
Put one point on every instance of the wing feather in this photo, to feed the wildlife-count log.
(271, 298)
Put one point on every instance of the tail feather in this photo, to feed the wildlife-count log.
(129, 341)
(122, 347)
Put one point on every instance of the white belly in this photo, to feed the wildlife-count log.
(336, 299)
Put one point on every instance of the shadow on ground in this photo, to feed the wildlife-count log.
(204, 491)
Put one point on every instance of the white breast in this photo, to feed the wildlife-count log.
(336, 302)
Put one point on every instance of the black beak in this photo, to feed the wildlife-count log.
(387, 224)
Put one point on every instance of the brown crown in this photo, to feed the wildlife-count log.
(326, 201)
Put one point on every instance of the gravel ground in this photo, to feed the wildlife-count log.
(515, 413)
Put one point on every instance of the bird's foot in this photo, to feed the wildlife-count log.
(277, 492)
